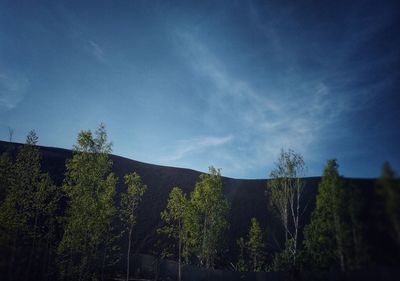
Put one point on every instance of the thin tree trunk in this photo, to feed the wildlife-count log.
(357, 249)
(179, 259)
(296, 222)
(103, 263)
(285, 222)
(12, 259)
(44, 261)
(28, 269)
(339, 242)
(46, 265)
(204, 241)
(129, 252)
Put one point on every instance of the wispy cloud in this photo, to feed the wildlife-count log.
(13, 87)
(95, 50)
(189, 146)
(262, 122)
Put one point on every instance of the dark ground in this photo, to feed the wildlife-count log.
(247, 197)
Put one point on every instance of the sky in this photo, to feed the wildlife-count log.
(222, 83)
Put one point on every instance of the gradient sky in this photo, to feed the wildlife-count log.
(194, 84)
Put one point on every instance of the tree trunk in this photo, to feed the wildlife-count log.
(339, 242)
(129, 252)
(296, 222)
(207, 261)
(28, 268)
(285, 226)
(103, 263)
(12, 259)
(179, 259)
(46, 266)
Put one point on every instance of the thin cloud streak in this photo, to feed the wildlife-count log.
(267, 121)
(95, 50)
(190, 146)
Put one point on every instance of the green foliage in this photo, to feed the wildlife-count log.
(131, 199)
(282, 260)
(241, 264)
(255, 244)
(5, 175)
(173, 217)
(129, 203)
(389, 190)
(285, 190)
(325, 236)
(27, 214)
(174, 214)
(206, 217)
(89, 187)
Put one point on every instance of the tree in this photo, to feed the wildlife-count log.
(389, 190)
(129, 203)
(255, 243)
(89, 188)
(207, 223)
(29, 204)
(5, 175)
(286, 190)
(241, 263)
(325, 236)
(173, 216)
(357, 246)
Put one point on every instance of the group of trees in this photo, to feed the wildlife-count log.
(339, 234)
(346, 229)
(66, 232)
(74, 231)
(29, 202)
(197, 223)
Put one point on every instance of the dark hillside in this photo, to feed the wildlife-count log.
(247, 197)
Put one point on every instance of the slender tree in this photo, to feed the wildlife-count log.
(89, 188)
(325, 236)
(5, 175)
(173, 216)
(286, 190)
(389, 190)
(208, 222)
(255, 243)
(129, 204)
(241, 264)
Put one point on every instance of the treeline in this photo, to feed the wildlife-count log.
(71, 232)
(76, 231)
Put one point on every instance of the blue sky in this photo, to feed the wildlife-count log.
(193, 84)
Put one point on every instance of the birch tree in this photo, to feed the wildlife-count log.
(286, 190)
(129, 204)
(209, 222)
(173, 216)
(89, 187)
